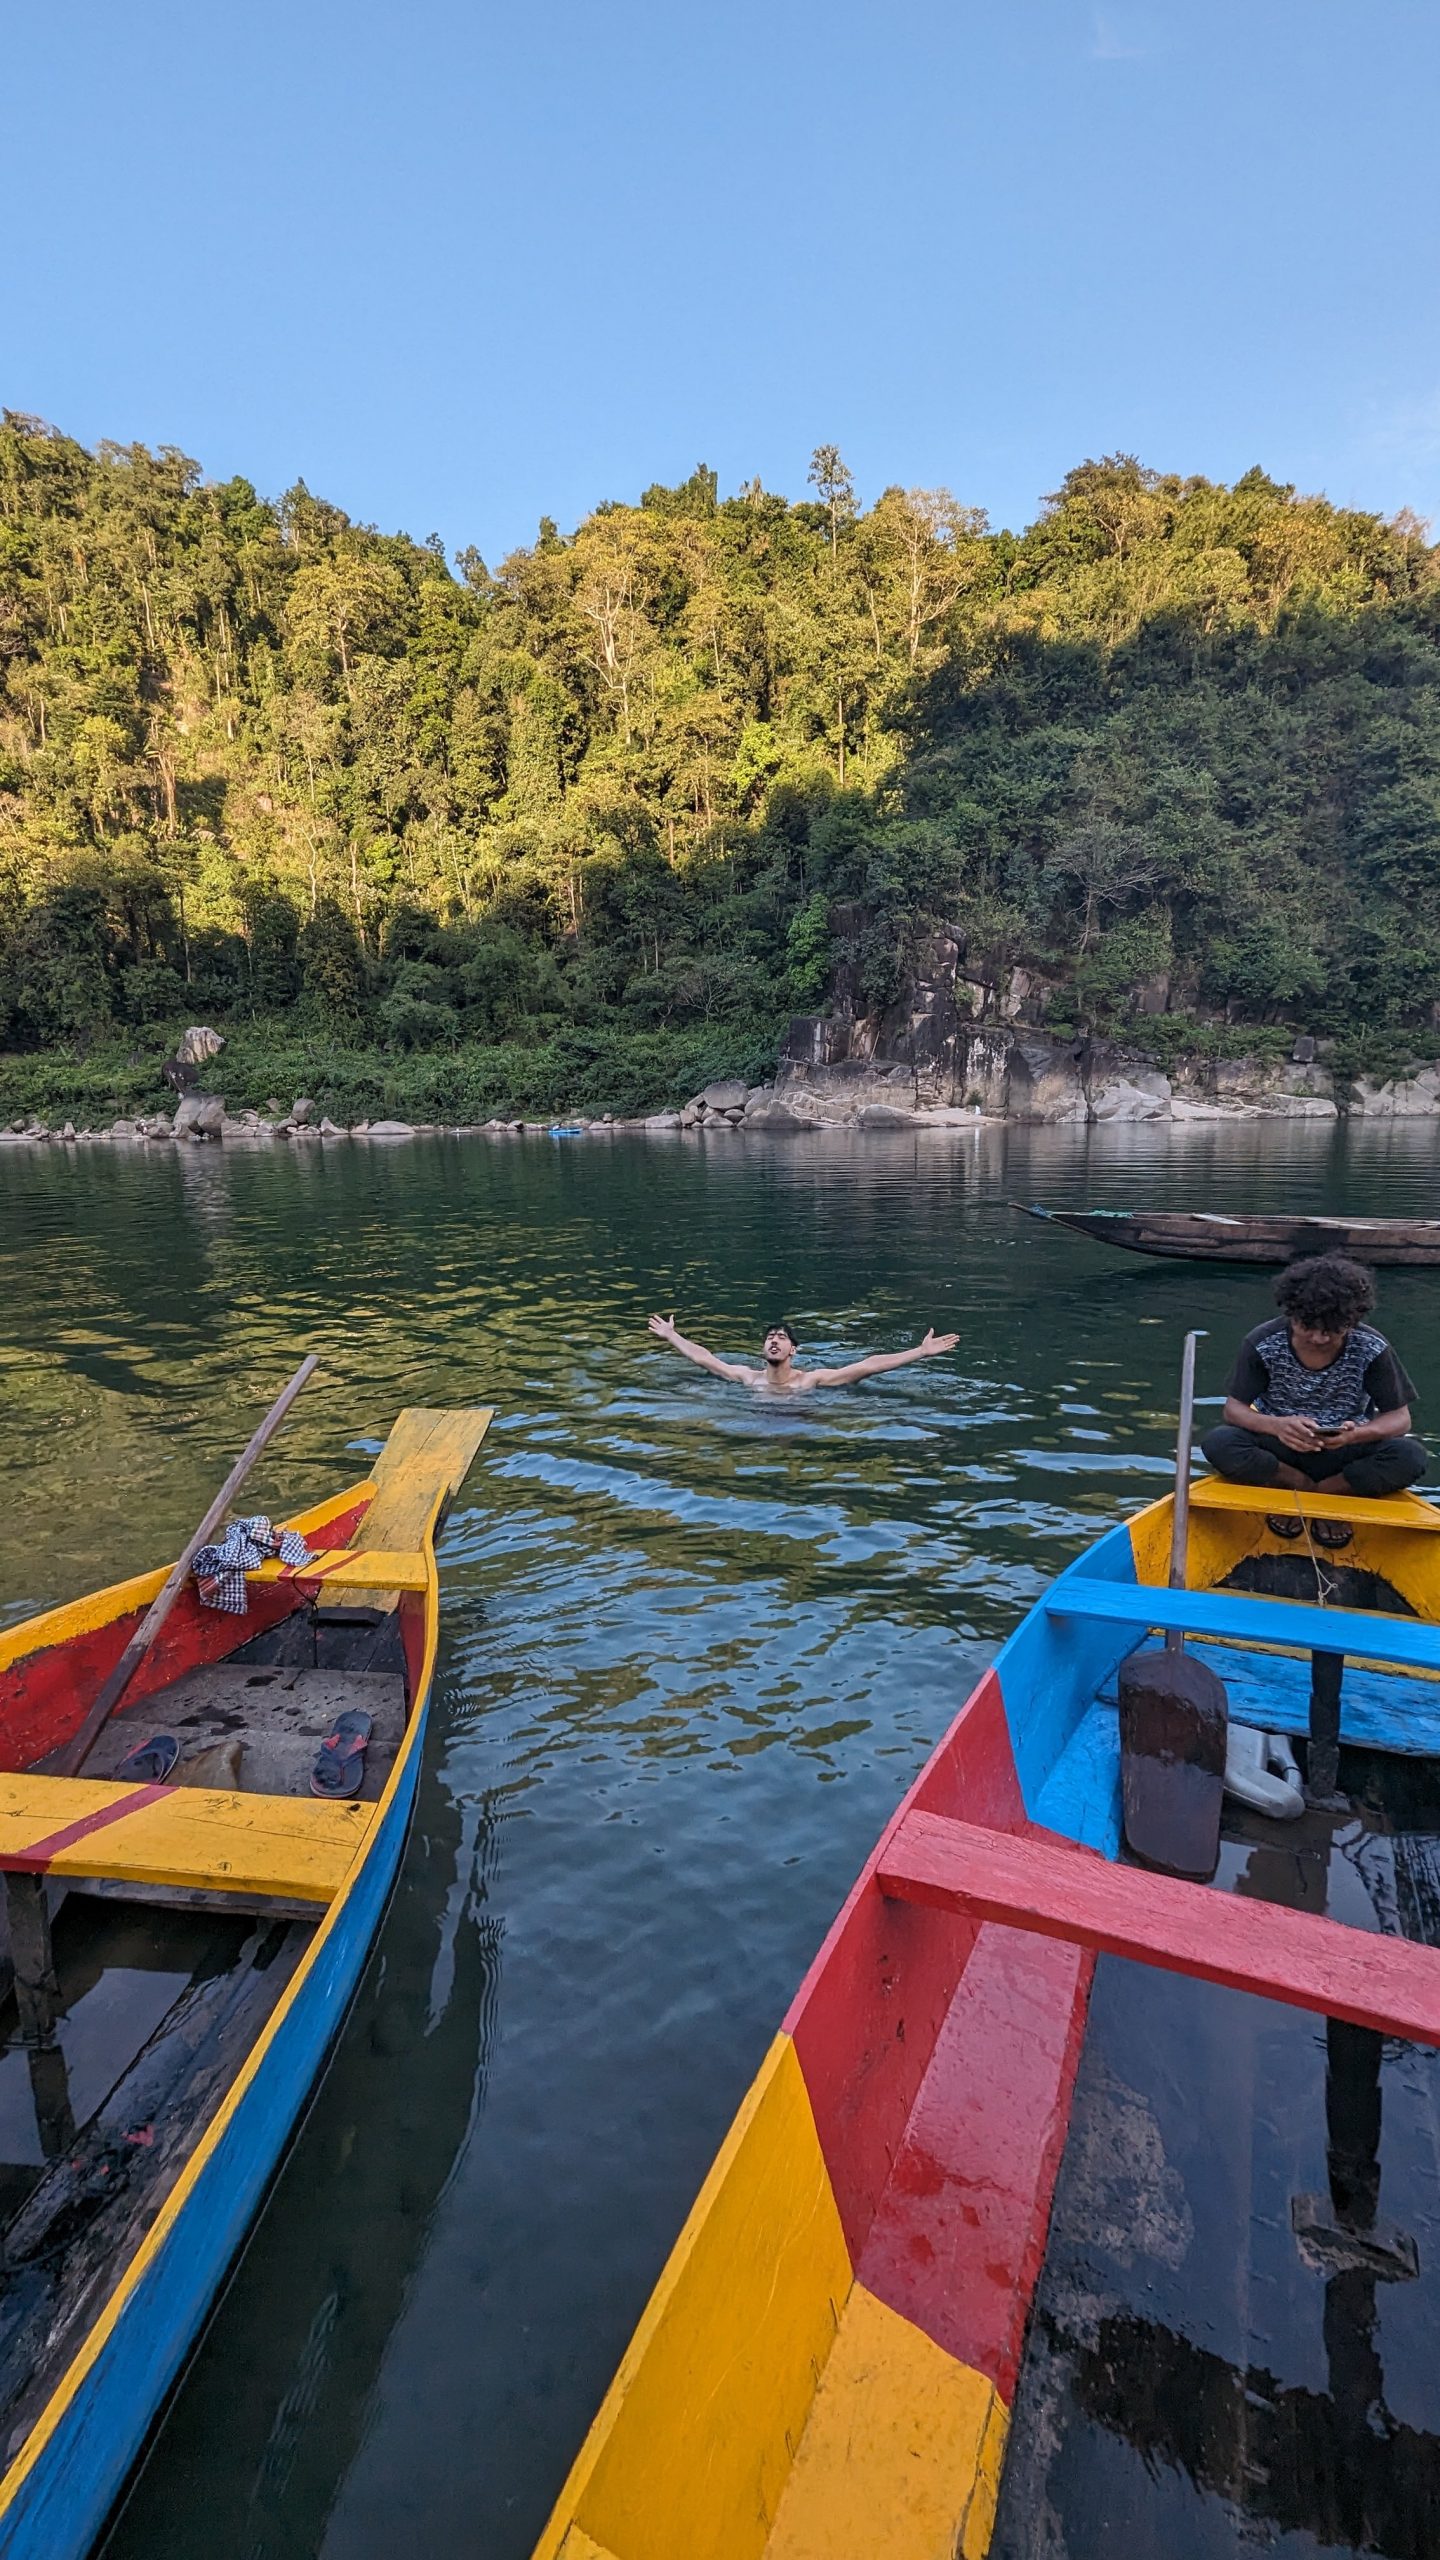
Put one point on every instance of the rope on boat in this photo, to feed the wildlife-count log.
(1324, 1587)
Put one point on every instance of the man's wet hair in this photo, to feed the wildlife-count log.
(780, 1326)
(1327, 1290)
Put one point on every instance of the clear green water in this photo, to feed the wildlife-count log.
(693, 1651)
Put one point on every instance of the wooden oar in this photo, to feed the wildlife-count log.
(65, 1762)
(1174, 1715)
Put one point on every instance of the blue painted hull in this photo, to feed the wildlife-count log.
(62, 2506)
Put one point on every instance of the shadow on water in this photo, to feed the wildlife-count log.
(694, 1650)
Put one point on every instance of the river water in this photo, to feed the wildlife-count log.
(694, 1648)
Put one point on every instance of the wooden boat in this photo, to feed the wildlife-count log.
(401, 2095)
(835, 2359)
(1208, 1236)
(207, 1940)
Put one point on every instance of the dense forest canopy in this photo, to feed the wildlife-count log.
(1175, 748)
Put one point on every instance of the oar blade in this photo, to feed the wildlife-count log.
(1173, 1719)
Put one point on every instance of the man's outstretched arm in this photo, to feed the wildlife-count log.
(877, 1361)
(734, 1369)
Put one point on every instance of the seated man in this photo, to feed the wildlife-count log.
(1317, 1399)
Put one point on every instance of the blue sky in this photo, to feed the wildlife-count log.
(459, 265)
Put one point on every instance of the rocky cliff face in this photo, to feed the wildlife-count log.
(927, 1056)
(1019, 1074)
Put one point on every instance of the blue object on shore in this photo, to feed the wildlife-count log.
(565, 1129)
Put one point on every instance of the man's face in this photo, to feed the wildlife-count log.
(778, 1346)
(1322, 1341)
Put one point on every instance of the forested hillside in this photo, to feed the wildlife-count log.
(1176, 747)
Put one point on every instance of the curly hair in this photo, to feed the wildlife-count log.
(1327, 1290)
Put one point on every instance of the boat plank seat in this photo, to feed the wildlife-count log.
(425, 1460)
(1367, 1635)
(195, 1837)
(354, 1568)
(1296, 1957)
(1399, 1511)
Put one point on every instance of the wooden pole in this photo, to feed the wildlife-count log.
(1180, 1519)
(1322, 1762)
(66, 1762)
(37, 1990)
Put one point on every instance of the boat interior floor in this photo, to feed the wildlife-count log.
(1232, 2342)
(1385, 1710)
(158, 2010)
(258, 1727)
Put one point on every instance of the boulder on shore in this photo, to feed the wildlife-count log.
(1412, 1097)
(390, 1129)
(198, 1045)
(200, 1115)
(302, 1111)
(776, 1116)
(1141, 1096)
(1184, 1107)
(663, 1120)
(730, 1095)
(883, 1115)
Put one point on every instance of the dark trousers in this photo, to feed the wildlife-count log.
(1253, 1457)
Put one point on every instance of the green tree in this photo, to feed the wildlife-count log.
(1175, 741)
(831, 481)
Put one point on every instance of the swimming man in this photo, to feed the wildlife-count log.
(780, 1376)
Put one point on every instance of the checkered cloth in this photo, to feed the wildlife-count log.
(245, 1544)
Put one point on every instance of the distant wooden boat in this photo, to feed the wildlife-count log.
(829, 2362)
(216, 1931)
(1202, 1235)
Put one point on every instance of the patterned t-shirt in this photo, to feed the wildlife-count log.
(1363, 1378)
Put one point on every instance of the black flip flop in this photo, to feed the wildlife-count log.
(1284, 1524)
(1331, 1534)
(151, 1761)
(340, 1763)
